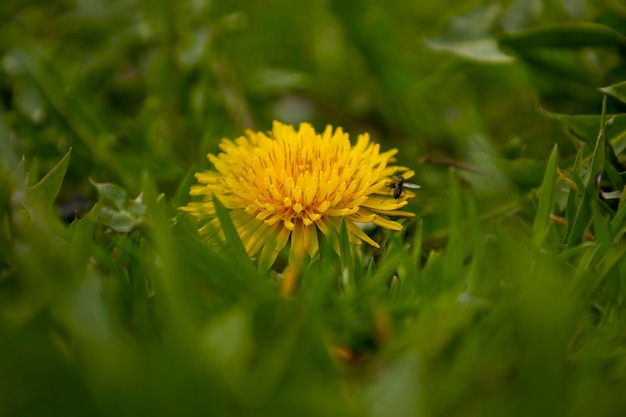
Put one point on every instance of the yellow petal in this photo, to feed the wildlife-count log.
(360, 234)
(388, 224)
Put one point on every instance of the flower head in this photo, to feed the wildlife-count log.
(285, 185)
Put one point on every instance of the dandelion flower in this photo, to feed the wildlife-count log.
(287, 184)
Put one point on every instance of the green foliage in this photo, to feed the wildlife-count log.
(115, 210)
(505, 296)
(548, 187)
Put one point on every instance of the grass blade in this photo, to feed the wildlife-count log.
(542, 221)
(233, 240)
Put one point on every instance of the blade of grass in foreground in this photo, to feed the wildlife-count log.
(542, 221)
(583, 212)
(233, 240)
(167, 271)
(347, 261)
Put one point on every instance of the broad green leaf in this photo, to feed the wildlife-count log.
(565, 35)
(482, 50)
(542, 220)
(46, 190)
(120, 221)
(111, 194)
(470, 36)
(116, 210)
(616, 90)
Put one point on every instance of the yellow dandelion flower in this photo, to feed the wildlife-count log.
(287, 184)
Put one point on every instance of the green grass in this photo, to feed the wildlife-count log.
(504, 296)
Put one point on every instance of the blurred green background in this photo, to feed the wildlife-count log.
(119, 308)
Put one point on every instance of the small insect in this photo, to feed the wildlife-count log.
(399, 185)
